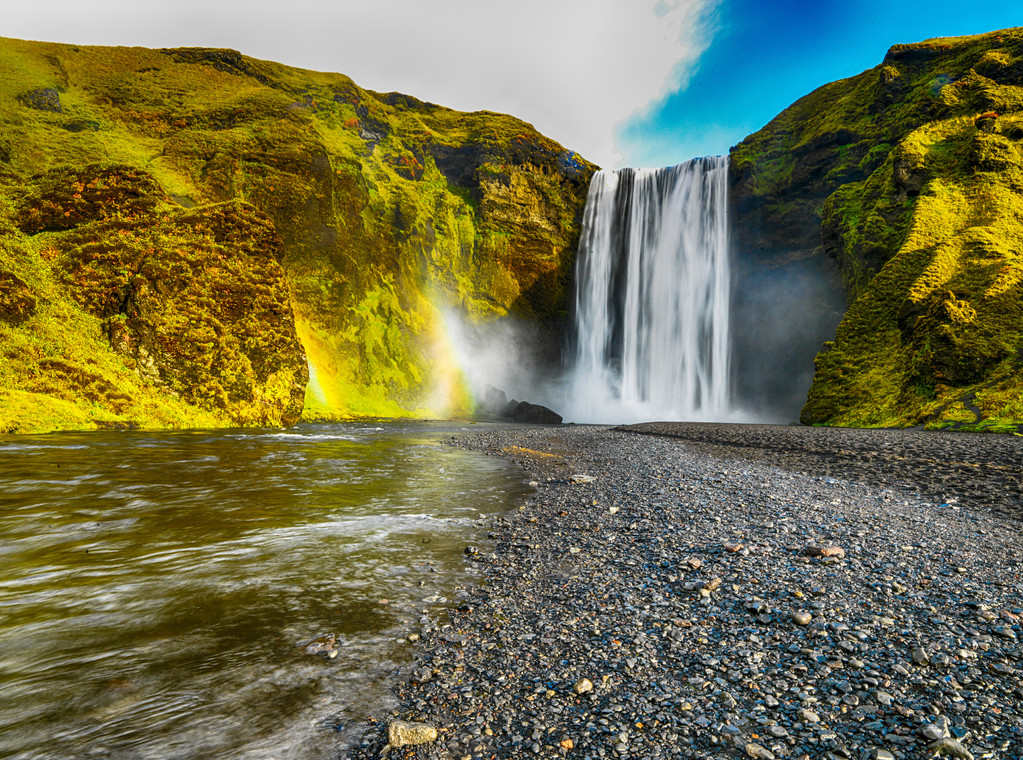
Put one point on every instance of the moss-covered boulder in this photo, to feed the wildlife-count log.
(387, 210)
(910, 177)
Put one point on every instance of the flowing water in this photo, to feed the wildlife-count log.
(652, 296)
(157, 589)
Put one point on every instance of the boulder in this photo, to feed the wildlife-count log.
(495, 405)
(533, 414)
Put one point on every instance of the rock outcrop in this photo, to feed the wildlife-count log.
(910, 178)
(194, 237)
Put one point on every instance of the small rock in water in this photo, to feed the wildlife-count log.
(801, 618)
(402, 733)
(326, 645)
(583, 685)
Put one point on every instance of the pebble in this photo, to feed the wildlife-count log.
(809, 716)
(755, 750)
(949, 748)
(835, 552)
(801, 618)
(933, 732)
(402, 733)
(583, 685)
(679, 638)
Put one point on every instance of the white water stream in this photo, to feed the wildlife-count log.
(652, 296)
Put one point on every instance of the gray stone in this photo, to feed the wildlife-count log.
(809, 716)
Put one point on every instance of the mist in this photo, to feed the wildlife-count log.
(505, 354)
(779, 310)
(781, 316)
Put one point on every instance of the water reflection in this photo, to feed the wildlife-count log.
(155, 589)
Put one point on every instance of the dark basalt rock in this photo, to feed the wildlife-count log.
(17, 303)
(81, 125)
(495, 405)
(222, 59)
(43, 99)
(533, 414)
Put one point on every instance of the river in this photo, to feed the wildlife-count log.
(158, 590)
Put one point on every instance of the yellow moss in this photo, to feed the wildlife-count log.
(378, 199)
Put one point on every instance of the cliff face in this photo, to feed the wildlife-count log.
(909, 177)
(192, 237)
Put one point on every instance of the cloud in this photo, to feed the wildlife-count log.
(575, 69)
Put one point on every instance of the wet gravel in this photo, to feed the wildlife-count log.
(980, 468)
(659, 597)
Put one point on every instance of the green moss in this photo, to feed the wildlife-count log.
(916, 172)
(143, 318)
(386, 208)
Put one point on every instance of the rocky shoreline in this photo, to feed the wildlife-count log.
(724, 597)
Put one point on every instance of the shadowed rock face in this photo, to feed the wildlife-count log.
(906, 180)
(16, 300)
(355, 217)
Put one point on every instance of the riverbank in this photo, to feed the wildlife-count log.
(658, 597)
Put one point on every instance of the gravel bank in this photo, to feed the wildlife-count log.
(720, 605)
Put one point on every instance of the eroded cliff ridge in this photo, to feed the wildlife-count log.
(910, 176)
(192, 237)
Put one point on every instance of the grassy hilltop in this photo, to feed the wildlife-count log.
(191, 237)
(911, 176)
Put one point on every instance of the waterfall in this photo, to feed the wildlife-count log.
(652, 296)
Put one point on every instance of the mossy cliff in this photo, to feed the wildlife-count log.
(192, 237)
(910, 177)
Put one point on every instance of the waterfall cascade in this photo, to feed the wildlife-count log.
(652, 296)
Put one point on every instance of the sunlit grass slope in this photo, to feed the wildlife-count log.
(911, 176)
(192, 237)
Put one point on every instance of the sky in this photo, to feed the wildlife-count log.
(623, 82)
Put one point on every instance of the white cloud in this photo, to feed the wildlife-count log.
(576, 69)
